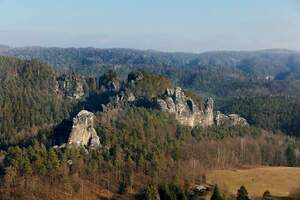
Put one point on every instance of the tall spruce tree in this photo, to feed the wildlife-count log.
(216, 195)
(242, 194)
(290, 156)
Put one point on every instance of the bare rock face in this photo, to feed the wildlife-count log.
(71, 86)
(109, 85)
(186, 111)
(230, 120)
(109, 82)
(83, 132)
(209, 113)
(119, 100)
(135, 77)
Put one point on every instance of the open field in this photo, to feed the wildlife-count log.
(280, 181)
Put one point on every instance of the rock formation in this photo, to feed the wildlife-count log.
(71, 86)
(109, 82)
(135, 77)
(230, 120)
(185, 109)
(209, 113)
(119, 100)
(83, 132)
(188, 109)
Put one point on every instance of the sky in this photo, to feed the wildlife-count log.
(166, 25)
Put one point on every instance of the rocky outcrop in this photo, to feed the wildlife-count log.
(119, 100)
(109, 82)
(83, 132)
(209, 113)
(188, 113)
(185, 109)
(230, 120)
(135, 77)
(109, 86)
(71, 86)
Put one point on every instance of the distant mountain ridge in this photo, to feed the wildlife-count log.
(78, 57)
(219, 73)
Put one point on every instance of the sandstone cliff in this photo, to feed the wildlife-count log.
(230, 120)
(109, 82)
(119, 100)
(71, 86)
(187, 112)
(83, 132)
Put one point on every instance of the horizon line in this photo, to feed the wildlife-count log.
(149, 50)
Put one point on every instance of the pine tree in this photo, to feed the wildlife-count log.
(216, 195)
(266, 195)
(242, 194)
(10, 176)
(291, 157)
(151, 193)
(53, 161)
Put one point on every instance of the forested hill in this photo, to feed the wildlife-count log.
(224, 73)
(26, 96)
(275, 63)
(30, 99)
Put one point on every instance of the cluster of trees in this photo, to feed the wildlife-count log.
(175, 192)
(149, 86)
(268, 112)
(28, 99)
(242, 194)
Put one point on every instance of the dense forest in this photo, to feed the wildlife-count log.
(28, 100)
(276, 113)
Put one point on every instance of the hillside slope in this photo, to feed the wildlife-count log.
(33, 97)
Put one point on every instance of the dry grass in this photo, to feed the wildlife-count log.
(280, 181)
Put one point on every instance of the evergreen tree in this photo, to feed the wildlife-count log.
(242, 194)
(165, 193)
(266, 195)
(53, 161)
(151, 193)
(290, 156)
(10, 176)
(216, 195)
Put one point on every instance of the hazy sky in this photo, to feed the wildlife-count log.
(169, 25)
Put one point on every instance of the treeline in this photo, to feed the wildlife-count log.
(276, 113)
(174, 192)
